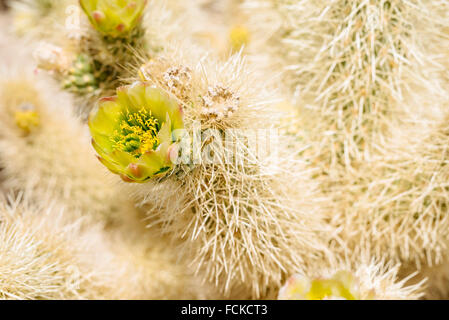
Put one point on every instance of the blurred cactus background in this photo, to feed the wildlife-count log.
(224, 149)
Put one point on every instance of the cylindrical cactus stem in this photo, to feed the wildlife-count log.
(244, 216)
(150, 266)
(362, 65)
(396, 206)
(48, 253)
(372, 76)
(41, 18)
(113, 44)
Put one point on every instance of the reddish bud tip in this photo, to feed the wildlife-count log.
(134, 169)
(126, 179)
(120, 27)
(98, 16)
(106, 99)
(172, 154)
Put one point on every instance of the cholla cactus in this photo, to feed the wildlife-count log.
(370, 73)
(149, 266)
(42, 256)
(80, 78)
(239, 37)
(372, 281)
(243, 223)
(357, 64)
(135, 134)
(395, 206)
(150, 269)
(49, 253)
(75, 71)
(113, 46)
(419, 193)
(115, 18)
(92, 60)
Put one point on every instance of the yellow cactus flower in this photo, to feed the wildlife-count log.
(238, 36)
(27, 118)
(341, 286)
(114, 18)
(135, 132)
(80, 77)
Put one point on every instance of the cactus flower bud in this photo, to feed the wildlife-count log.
(50, 57)
(115, 18)
(80, 77)
(133, 132)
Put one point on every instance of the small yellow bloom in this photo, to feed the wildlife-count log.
(26, 118)
(135, 133)
(238, 36)
(341, 286)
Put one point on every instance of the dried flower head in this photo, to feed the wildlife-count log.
(177, 79)
(220, 102)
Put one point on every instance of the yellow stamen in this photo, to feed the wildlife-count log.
(137, 134)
